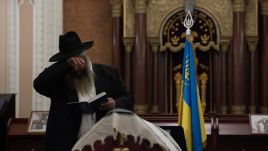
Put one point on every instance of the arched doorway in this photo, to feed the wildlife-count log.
(205, 36)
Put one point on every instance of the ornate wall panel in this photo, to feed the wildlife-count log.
(129, 18)
(47, 28)
(221, 11)
(251, 18)
(158, 10)
(205, 32)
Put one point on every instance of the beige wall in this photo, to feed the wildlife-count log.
(25, 51)
(3, 45)
(26, 59)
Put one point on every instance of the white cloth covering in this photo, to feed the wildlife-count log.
(118, 121)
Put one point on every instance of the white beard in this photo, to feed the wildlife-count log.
(84, 80)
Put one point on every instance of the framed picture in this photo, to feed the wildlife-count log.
(38, 122)
(259, 123)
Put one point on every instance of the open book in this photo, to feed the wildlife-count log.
(90, 106)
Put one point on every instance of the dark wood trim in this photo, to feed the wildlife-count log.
(233, 118)
(229, 77)
(253, 80)
(212, 106)
(155, 80)
(223, 118)
(17, 127)
(140, 61)
(149, 73)
(264, 62)
(238, 62)
(166, 81)
(223, 80)
(217, 77)
(117, 43)
(127, 71)
(161, 81)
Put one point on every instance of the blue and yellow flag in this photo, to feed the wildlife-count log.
(189, 106)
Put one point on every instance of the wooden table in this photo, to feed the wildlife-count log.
(18, 139)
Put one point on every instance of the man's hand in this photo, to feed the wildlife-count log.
(77, 63)
(109, 105)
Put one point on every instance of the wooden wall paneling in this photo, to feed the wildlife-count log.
(217, 77)
(225, 46)
(154, 48)
(229, 77)
(117, 43)
(238, 104)
(166, 84)
(162, 82)
(253, 83)
(117, 52)
(212, 106)
(247, 78)
(171, 102)
(128, 65)
(127, 71)
(223, 107)
(133, 72)
(149, 73)
(252, 75)
(155, 108)
(264, 58)
(140, 74)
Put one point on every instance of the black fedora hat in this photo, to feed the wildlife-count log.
(70, 45)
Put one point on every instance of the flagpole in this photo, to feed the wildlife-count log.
(190, 115)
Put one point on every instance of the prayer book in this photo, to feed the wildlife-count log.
(90, 106)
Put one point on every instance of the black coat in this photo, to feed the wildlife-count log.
(62, 126)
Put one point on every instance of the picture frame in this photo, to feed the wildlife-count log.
(258, 123)
(37, 122)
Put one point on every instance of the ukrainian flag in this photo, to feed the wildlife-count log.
(189, 106)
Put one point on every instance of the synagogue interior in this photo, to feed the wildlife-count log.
(144, 40)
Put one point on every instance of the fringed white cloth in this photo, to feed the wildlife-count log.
(127, 123)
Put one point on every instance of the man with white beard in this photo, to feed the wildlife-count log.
(74, 79)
